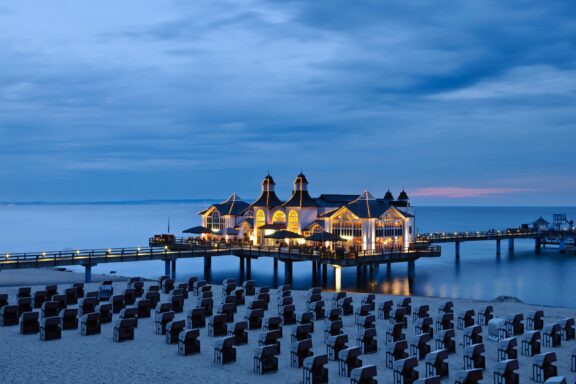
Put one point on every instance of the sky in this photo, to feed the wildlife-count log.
(459, 102)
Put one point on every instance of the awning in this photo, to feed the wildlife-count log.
(324, 236)
(282, 234)
(275, 226)
(227, 231)
(197, 230)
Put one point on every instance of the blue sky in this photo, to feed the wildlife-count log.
(459, 102)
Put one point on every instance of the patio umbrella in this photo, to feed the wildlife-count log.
(197, 230)
(324, 236)
(283, 234)
(227, 231)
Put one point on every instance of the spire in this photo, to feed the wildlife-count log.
(389, 196)
(268, 184)
(300, 183)
(403, 196)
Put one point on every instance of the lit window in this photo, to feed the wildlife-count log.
(260, 218)
(279, 217)
(215, 221)
(293, 225)
(347, 226)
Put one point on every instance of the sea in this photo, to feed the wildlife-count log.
(548, 278)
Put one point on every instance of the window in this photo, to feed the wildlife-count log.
(293, 225)
(389, 226)
(279, 217)
(216, 222)
(260, 219)
(347, 226)
(317, 229)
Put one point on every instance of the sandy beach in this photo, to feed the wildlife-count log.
(148, 359)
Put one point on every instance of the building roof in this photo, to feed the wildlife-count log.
(301, 198)
(234, 205)
(403, 195)
(389, 196)
(267, 199)
(334, 200)
(314, 223)
(541, 221)
(366, 206)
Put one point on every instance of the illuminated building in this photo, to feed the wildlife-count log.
(365, 222)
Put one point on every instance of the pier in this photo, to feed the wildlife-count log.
(170, 254)
(565, 240)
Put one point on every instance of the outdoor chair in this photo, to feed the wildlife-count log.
(51, 290)
(257, 304)
(543, 367)
(105, 311)
(124, 330)
(162, 319)
(29, 323)
(24, 305)
(348, 360)
(117, 303)
(299, 350)
(568, 328)
(445, 340)
(485, 315)
(318, 308)
(154, 298)
(384, 309)
(61, 300)
(198, 284)
(227, 310)
(404, 371)
(465, 319)
(273, 323)
(177, 303)
(79, 289)
(305, 318)
(301, 332)
(447, 307)
(346, 305)
(508, 349)
(363, 311)
(333, 328)
(436, 364)
(367, 340)
(445, 321)
(265, 360)
(424, 325)
(335, 344)
(469, 376)
(240, 333)
(208, 305)
(497, 329)
(189, 342)
(167, 285)
(399, 315)
(270, 338)
(472, 335)
(552, 335)
(364, 375)
(50, 309)
(144, 307)
(394, 332)
(530, 343)
(87, 305)
(90, 324)
(419, 345)
(39, 298)
(240, 296)
(369, 300)
(395, 351)
(314, 370)
(106, 292)
(24, 292)
(173, 330)
(474, 356)
(191, 281)
(366, 322)
(71, 296)
(421, 312)
(3, 299)
(254, 318)
(224, 351)
(217, 326)
(514, 325)
(288, 313)
(505, 372)
(334, 314)
(129, 296)
(69, 318)
(50, 328)
(196, 318)
(129, 313)
(406, 303)
(535, 321)
(249, 287)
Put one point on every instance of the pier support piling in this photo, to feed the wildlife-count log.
(173, 275)
(88, 273)
(276, 264)
(207, 268)
(562, 245)
(537, 245)
(167, 267)
(498, 247)
(457, 249)
(287, 272)
(248, 268)
(510, 244)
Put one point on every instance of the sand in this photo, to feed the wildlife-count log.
(148, 359)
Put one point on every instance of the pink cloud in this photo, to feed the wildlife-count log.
(459, 192)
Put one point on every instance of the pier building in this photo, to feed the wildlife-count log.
(363, 222)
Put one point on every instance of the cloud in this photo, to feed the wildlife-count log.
(539, 80)
(465, 192)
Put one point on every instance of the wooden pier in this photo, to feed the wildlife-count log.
(170, 254)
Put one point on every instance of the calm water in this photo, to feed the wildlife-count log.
(547, 279)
